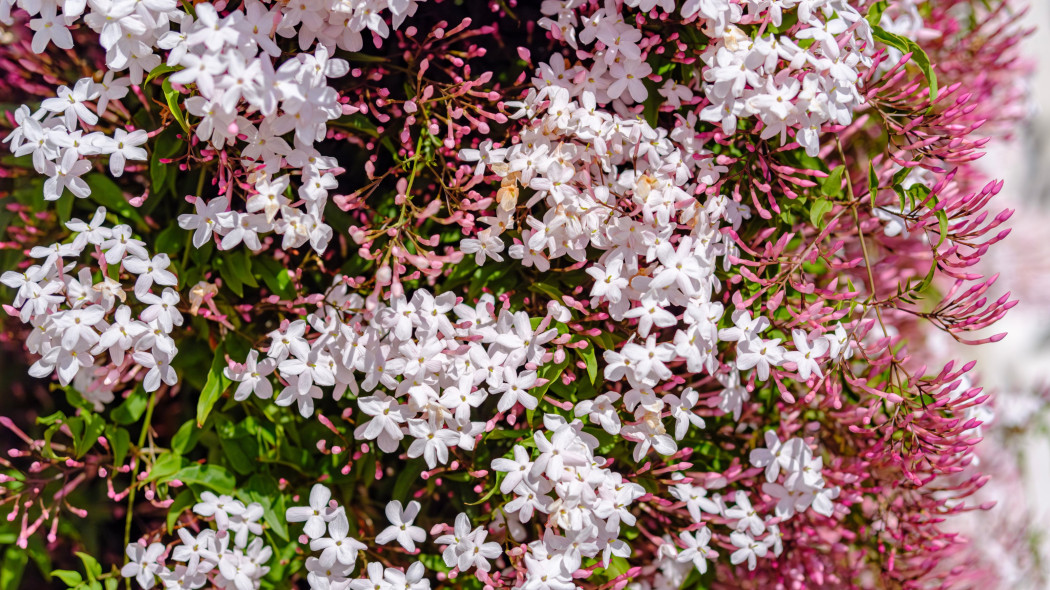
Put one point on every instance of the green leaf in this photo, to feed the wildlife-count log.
(105, 192)
(818, 210)
(874, 16)
(184, 500)
(832, 185)
(241, 267)
(588, 356)
(490, 493)
(214, 386)
(64, 207)
(229, 278)
(172, 97)
(69, 577)
(158, 172)
(13, 566)
(928, 279)
(262, 488)
(873, 183)
(131, 409)
(213, 477)
(94, 425)
(550, 371)
(942, 226)
(167, 465)
(918, 57)
(119, 443)
(275, 276)
(185, 438)
(170, 240)
(235, 454)
(617, 567)
(91, 565)
(160, 71)
(406, 479)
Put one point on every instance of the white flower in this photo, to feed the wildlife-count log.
(252, 376)
(142, 563)
(221, 507)
(66, 174)
(71, 103)
(150, 271)
(806, 353)
(401, 528)
(696, 549)
(337, 546)
(123, 146)
(749, 549)
(205, 220)
(317, 514)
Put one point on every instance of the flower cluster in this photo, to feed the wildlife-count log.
(76, 316)
(589, 503)
(518, 320)
(327, 527)
(232, 555)
(57, 146)
(437, 371)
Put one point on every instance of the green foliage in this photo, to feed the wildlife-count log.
(918, 56)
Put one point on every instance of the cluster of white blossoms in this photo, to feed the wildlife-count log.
(131, 31)
(326, 528)
(799, 83)
(754, 536)
(76, 317)
(51, 135)
(246, 100)
(243, 98)
(615, 184)
(619, 67)
(583, 501)
(232, 555)
(427, 361)
(660, 250)
(803, 484)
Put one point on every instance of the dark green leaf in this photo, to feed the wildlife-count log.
(184, 500)
(832, 185)
(818, 210)
(64, 206)
(119, 443)
(241, 267)
(172, 97)
(262, 488)
(69, 577)
(185, 438)
(214, 386)
(12, 567)
(213, 477)
(230, 278)
(918, 56)
(131, 409)
(105, 192)
(408, 477)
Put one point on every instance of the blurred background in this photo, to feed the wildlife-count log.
(1015, 534)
